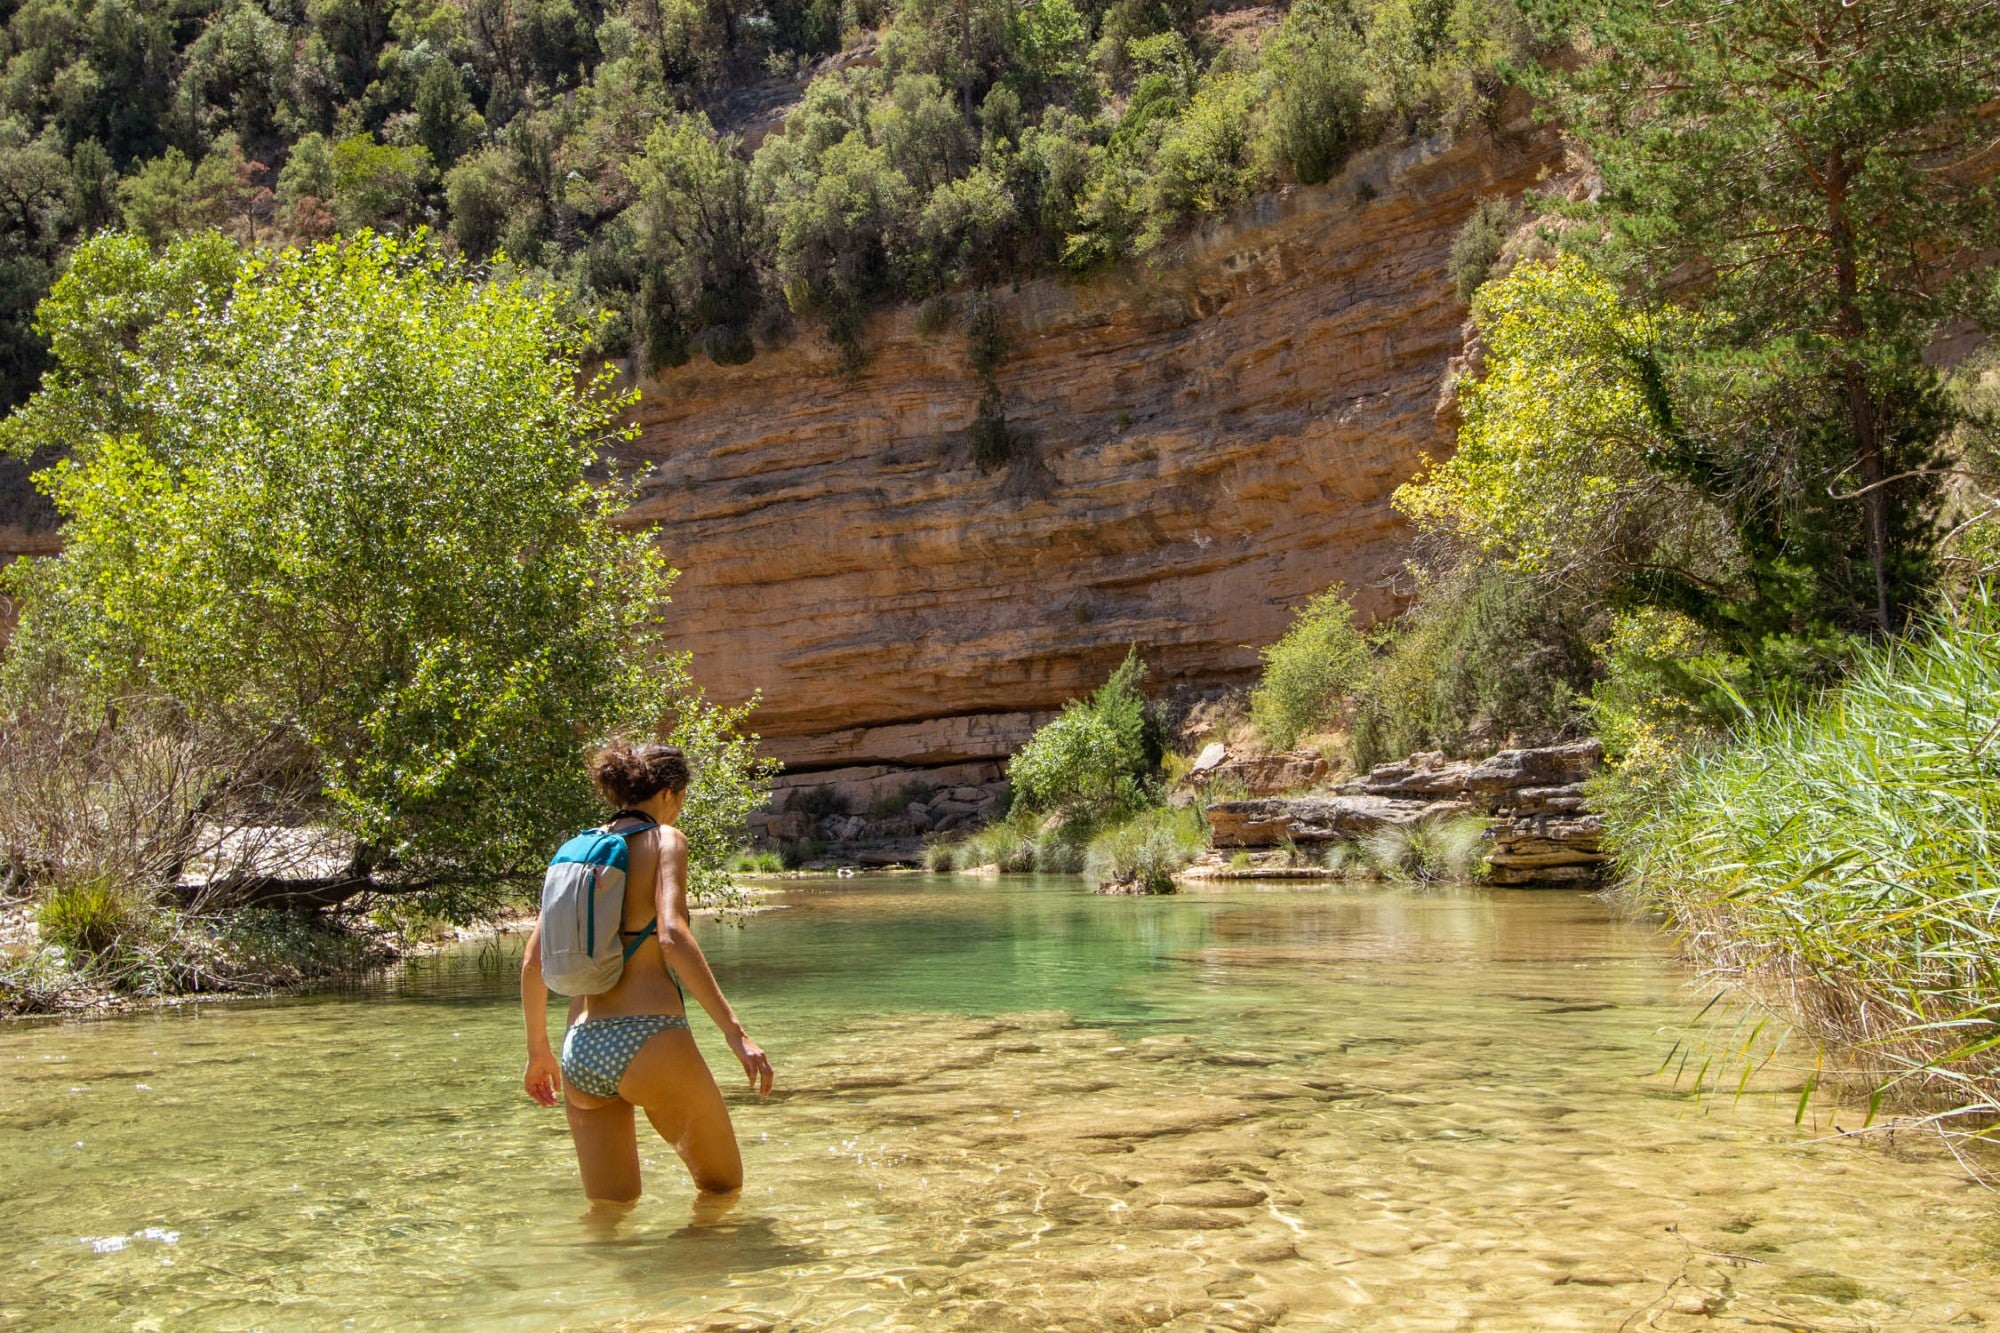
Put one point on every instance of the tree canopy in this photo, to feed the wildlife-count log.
(339, 500)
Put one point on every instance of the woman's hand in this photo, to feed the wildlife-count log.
(755, 1063)
(543, 1081)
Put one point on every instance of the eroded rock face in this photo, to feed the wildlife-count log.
(1251, 775)
(1542, 830)
(1307, 820)
(1201, 445)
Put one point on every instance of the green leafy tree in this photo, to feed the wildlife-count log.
(38, 203)
(700, 234)
(1309, 671)
(1319, 115)
(109, 325)
(378, 184)
(1609, 457)
(1809, 173)
(447, 124)
(348, 510)
(161, 198)
(1096, 758)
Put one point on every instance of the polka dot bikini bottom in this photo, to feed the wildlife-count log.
(595, 1053)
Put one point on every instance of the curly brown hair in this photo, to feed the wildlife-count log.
(627, 774)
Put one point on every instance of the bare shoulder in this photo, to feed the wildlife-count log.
(670, 840)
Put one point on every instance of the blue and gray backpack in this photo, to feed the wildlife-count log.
(583, 911)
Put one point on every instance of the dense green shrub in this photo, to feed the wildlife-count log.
(1144, 852)
(1477, 246)
(1838, 859)
(1319, 114)
(1097, 757)
(1482, 656)
(697, 236)
(1308, 672)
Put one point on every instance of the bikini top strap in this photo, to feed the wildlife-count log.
(640, 937)
(647, 826)
(644, 934)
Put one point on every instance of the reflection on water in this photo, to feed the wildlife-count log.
(1001, 1106)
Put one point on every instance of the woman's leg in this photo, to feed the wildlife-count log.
(607, 1146)
(669, 1078)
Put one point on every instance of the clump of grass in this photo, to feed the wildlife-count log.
(1838, 862)
(1346, 861)
(755, 861)
(1146, 851)
(87, 919)
(890, 804)
(1023, 843)
(1005, 845)
(1427, 851)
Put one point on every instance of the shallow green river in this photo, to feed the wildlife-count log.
(1001, 1106)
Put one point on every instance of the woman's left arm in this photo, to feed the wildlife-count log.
(543, 1081)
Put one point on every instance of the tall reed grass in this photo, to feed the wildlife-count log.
(1842, 863)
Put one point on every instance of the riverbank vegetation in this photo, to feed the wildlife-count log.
(1839, 860)
(1724, 494)
(339, 607)
(1089, 798)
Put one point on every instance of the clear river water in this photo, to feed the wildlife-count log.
(1001, 1105)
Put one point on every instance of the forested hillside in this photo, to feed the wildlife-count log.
(937, 143)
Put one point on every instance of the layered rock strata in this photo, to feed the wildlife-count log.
(1542, 831)
(1199, 445)
(880, 815)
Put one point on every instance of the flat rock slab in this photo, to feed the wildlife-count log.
(1272, 821)
(1491, 780)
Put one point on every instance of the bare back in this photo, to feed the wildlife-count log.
(645, 987)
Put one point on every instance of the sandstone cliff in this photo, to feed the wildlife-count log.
(1204, 444)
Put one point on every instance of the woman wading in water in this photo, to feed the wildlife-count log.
(630, 1045)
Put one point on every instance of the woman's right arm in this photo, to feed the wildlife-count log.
(685, 957)
(543, 1081)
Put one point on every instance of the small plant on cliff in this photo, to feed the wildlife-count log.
(344, 507)
(1097, 758)
(1476, 248)
(986, 344)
